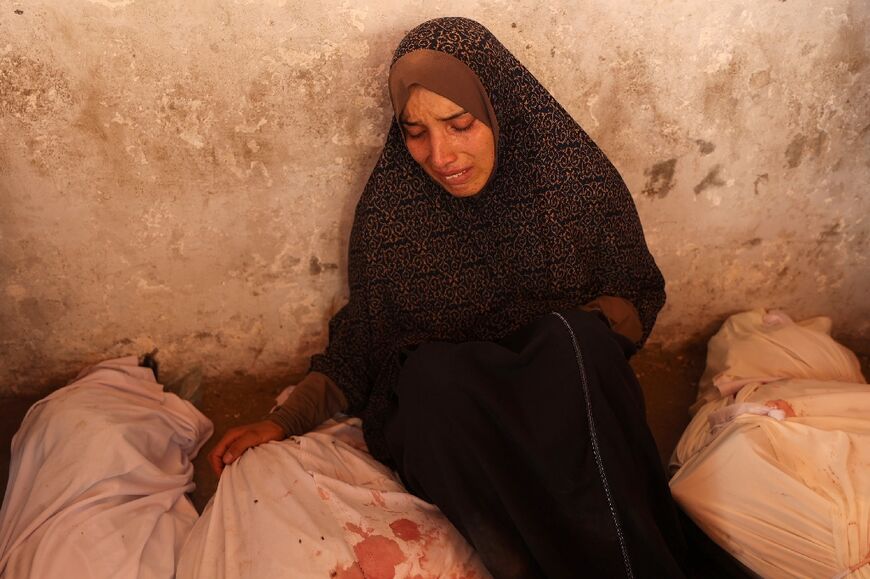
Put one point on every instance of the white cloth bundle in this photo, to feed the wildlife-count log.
(97, 488)
(758, 347)
(319, 506)
(98, 478)
(788, 497)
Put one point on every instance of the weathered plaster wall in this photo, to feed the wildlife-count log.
(182, 175)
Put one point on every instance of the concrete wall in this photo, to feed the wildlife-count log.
(182, 175)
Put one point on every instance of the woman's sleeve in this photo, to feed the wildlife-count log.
(624, 266)
(347, 358)
(314, 400)
(621, 315)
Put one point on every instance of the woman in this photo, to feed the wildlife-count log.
(488, 209)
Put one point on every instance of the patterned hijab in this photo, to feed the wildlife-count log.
(554, 228)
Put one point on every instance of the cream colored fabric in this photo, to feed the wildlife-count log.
(98, 479)
(760, 346)
(319, 506)
(789, 497)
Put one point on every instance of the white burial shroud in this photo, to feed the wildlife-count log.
(787, 493)
(98, 479)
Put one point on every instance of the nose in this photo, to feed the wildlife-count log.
(442, 153)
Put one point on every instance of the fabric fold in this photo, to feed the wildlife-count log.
(98, 478)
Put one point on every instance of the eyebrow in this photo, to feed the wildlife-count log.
(448, 118)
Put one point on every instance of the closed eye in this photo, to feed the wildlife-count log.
(460, 127)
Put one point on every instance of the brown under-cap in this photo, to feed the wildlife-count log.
(445, 75)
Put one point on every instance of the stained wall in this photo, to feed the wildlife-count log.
(182, 175)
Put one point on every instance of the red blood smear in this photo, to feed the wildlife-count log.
(406, 530)
(378, 557)
(356, 529)
(323, 493)
(351, 572)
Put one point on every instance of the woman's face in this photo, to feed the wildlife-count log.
(455, 149)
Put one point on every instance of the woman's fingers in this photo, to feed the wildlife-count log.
(237, 440)
(248, 439)
(215, 457)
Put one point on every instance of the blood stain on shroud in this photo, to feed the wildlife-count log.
(406, 530)
(352, 571)
(356, 530)
(378, 557)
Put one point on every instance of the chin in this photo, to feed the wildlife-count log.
(466, 190)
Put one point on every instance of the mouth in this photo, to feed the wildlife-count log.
(456, 178)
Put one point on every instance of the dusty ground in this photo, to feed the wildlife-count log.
(669, 380)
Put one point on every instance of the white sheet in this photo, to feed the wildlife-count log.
(320, 506)
(98, 478)
(760, 346)
(790, 497)
(97, 488)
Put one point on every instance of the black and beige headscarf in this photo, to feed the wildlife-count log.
(554, 228)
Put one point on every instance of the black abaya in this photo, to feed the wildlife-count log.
(536, 447)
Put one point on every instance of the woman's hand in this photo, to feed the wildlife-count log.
(239, 439)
